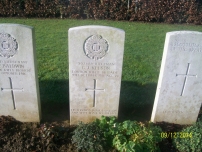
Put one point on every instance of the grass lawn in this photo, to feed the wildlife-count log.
(142, 58)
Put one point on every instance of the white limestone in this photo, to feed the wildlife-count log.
(95, 69)
(19, 91)
(179, 91)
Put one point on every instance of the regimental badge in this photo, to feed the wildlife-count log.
(95, 47)
(8, 45)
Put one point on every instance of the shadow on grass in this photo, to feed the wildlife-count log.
(54, 100)
(136, 100)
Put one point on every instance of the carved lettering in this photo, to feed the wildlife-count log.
(186, 47)
(89, 69)
(94, 111)
(173, 111)
(14, 67)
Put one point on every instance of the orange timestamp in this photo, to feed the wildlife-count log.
(176, 135)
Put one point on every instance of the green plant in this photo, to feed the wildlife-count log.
(136, 137)
(89, 137)
(130, 136)
(108, 127)
(190, 138)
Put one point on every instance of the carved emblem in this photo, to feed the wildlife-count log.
(8, 45)
(95, 47)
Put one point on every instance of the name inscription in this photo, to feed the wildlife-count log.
(14, 67)
(95, 70)
(186, 47)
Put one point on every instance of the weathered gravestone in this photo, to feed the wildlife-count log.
(19, 96)
(179, 91)
(95, 69)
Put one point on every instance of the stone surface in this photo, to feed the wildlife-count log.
(19, 94)
(95, 69)
(179, 96)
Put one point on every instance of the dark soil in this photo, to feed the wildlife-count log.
(166, 144)
(16, 136)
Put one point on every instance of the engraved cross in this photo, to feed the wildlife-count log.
(12, 91)
(185, 78)
(94, 90)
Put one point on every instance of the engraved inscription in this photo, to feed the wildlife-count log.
(86, 69)
(94, 90)
(95, 47)
(14, 67)
(176, 111)
(172, 111)
(8, 45)
(185, 78)
(12, 91)
(94, 112)
(186, 47)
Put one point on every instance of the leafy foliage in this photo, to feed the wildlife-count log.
(89, 137)
(169, 11)
(190, 138)
(135, 136)
(127, 136)
(130, 136)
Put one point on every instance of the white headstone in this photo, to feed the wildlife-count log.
(95, 69)
(179, 91)
(19, 94)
